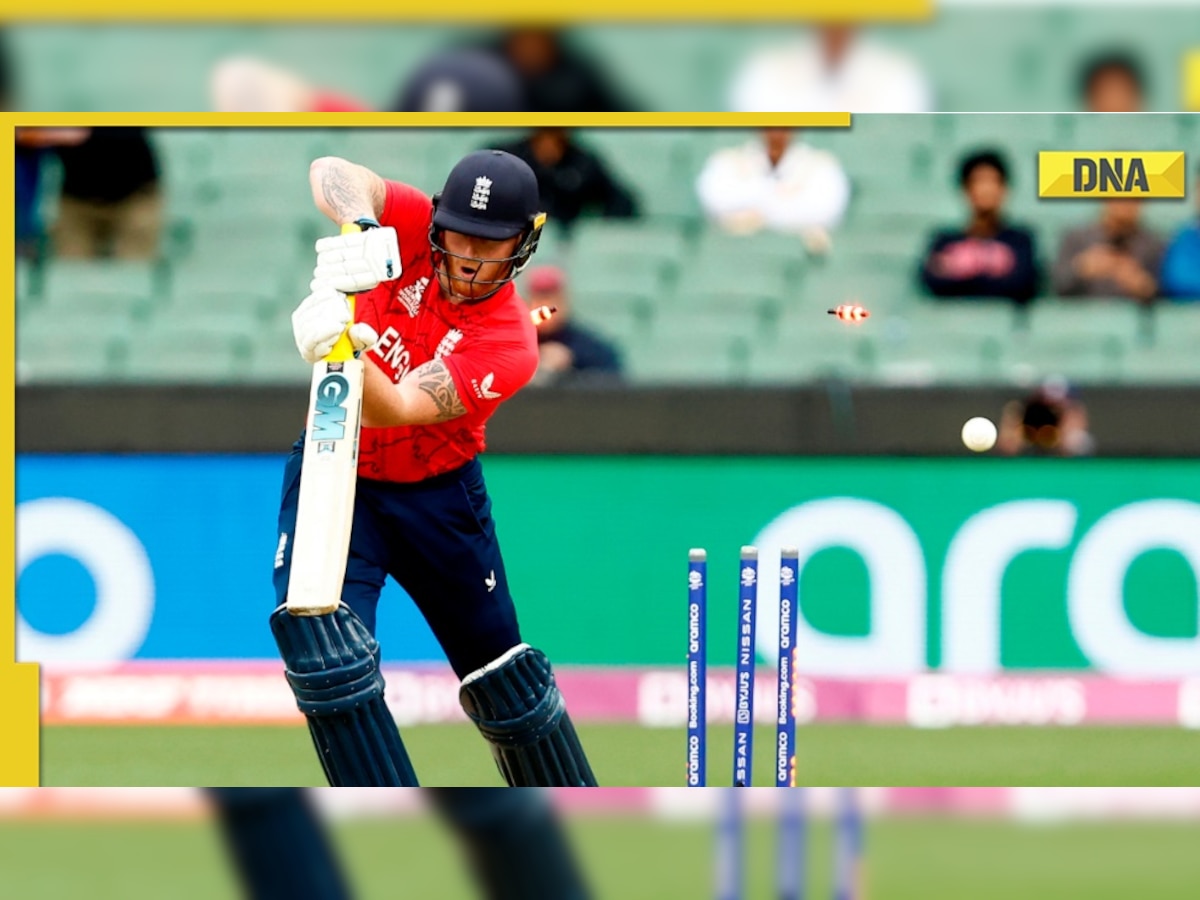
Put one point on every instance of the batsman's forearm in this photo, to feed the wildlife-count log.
(346, 192)
(424, 396)
(383, 406)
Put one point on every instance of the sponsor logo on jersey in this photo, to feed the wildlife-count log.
(391, 350)
(410, 296)
(447, 344)
(483, 388)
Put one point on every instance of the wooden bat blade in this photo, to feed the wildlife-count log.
(325, 513)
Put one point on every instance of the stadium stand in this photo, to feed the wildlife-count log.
(977, 57)
(685, 302)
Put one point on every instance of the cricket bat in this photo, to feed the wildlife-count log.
(324, 515)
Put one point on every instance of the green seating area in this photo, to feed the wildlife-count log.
(977, 56)
(686, 302)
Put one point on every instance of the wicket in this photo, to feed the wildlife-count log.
(697, 765)
(743, 723)
(697, 667)
(791, 872)
(792, 879)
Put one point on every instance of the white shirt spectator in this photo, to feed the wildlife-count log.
(807, 190)
(798, 77)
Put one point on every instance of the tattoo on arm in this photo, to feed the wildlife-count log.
(344, 196)
(378, 196)
(435, 380)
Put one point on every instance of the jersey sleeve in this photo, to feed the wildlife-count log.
(488, 373)
(408, 211)
(405, 208)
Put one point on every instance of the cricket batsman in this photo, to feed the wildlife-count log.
(447, 339)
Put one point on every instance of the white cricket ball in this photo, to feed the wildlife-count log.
(979, 434)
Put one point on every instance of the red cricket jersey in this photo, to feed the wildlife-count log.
(489, 347)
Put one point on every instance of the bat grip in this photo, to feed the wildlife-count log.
(343, 350)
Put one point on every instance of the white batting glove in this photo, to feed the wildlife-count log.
(358, 261)
(319, 321)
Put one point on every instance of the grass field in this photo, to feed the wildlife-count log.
(626, 755)
(629, 859)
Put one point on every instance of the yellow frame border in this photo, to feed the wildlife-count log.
(19, 682)
(693, 120)
(539, 12)
(19, 685)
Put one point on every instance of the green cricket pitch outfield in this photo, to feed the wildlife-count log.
(628, 858)
(630, 755)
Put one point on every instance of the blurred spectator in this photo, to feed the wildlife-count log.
(778, 182)
(831, 70)
(507, 74)
(27, 174)
(1181, 265)
(573, 180)
(32, 145)
(989, 257)
(1112, 82)
(569, 353)
(111, 204)
(8, 90)
(248, 84)
(1052, 421)
(462, 80)
(27, 167)
(1116, 257)
(556, 76)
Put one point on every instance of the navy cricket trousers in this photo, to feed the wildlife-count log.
(436, 538)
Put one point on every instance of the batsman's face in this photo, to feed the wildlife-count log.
(473, 265)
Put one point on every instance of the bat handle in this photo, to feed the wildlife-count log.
(343, 350)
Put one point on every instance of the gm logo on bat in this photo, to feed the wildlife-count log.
(329, 418)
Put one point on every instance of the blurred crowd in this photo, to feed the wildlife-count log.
(1116, 255)
(533, 69)
(96, 193)
(777, 183)
(106, 201)
(829, 67)
(969, 57)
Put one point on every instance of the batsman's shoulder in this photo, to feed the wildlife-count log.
(516, 314)
(508, 333)
(405, 206)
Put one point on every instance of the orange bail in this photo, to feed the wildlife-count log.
(542, 314)
(848, 312)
